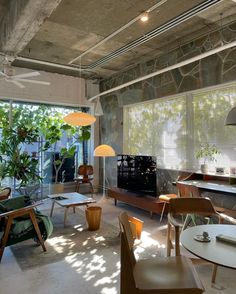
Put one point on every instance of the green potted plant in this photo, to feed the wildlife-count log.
(54, 130)
(18, 164)
(207, 152)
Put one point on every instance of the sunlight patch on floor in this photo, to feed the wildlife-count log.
(94, 269)
(59, 242)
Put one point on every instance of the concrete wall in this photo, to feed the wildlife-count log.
(214, 70)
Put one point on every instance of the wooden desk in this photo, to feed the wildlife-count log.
(217, 252)
(214, 185)
(210, 182)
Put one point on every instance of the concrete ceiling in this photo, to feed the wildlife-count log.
(58, 31)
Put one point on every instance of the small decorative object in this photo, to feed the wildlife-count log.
(207, 152)
(233, 170)
(202, 238)
(220, 170)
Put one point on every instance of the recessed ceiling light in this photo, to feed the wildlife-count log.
(144, 17)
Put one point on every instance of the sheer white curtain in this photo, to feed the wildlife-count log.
(157, 128)
(173, 128)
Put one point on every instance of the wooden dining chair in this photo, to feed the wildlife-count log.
(154, 275)
(84, 176)
(188, 206)
(187, 190)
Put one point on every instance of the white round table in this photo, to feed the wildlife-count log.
(217, 252)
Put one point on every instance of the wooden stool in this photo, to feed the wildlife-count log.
(166, 199)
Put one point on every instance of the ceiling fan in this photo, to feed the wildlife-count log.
(8, 73)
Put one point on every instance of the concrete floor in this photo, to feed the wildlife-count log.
(63, 277)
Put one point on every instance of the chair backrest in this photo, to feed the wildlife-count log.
(5, 193)
(85, 170)
(187, 190)
(127, 240)
(194, 205)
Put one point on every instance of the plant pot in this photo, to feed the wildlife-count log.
(204, 168)
(57, 188)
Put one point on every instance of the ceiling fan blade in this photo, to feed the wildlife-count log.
(33, 81)
(17, 83)
(27, 75)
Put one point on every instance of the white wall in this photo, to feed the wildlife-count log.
(62, 90)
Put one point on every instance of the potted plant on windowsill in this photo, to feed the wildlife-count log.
(207, 152)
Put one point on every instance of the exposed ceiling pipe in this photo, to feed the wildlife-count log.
(171, 67)
(137, 18)
(190, 13)
(52, 64)
(154, 33)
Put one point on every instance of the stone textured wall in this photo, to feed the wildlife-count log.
(216, 69)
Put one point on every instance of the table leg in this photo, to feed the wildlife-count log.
(65, 215)
(213, 277)
(74, 209)
(53, 203)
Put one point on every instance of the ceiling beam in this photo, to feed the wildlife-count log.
(22, 21)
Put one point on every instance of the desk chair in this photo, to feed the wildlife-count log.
(154, 275)
(187, 190)
(188, 206)
(183, 191)
(85, 176)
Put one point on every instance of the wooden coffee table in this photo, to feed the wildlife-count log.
(68, 200)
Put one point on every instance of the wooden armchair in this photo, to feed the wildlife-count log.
(154, 275)
(5, 193)
(20, 221)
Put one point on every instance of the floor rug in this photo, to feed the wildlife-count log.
(70, 242)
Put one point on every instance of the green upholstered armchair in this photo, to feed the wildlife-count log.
(20, 220)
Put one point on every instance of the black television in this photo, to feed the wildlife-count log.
(137, 173)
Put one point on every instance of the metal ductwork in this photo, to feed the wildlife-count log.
(141, 40)
(155, 32)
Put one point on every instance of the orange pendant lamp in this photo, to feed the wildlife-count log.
(79, 119)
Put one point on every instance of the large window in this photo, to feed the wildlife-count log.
(34, 141)
(173, 128)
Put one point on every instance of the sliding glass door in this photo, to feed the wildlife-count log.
(37, 148)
